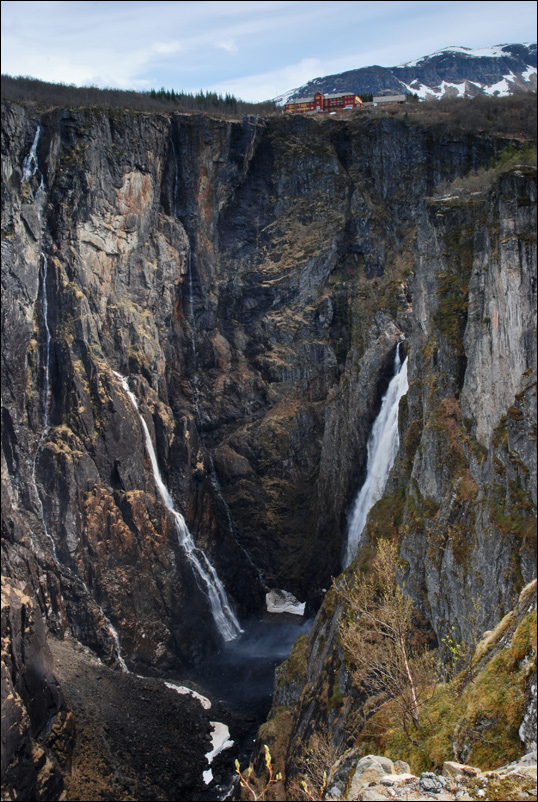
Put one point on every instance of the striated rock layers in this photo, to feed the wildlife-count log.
(252, 280)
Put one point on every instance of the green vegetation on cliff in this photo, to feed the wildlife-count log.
(474, 718)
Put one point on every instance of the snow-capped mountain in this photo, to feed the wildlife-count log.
(452, 71)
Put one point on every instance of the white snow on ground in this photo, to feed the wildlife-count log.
(494, 52)
(281, 100)
(206, 704)
(421, 90)
(502, 87)
(220, 737)
(208, 776)
(220, 740)
(528, 72)
(282, 601)
(459, 87)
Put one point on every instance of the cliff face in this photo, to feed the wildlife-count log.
(461, 499)
(251, 280)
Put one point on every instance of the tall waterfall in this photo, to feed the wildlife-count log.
(45, 397)
(383, 445)
(208, 580)
(30, 165)
(195, 387)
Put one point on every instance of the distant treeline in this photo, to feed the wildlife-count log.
(42, 93)
(507, 116)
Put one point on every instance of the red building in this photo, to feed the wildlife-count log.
(320, 102)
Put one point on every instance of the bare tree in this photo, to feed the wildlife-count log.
(314, 766)
(377, 635)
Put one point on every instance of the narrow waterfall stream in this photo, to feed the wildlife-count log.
(30, 165)
(195, 387)
(209, 582)
(45, 397)
(383, 444)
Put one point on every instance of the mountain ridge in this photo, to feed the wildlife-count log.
(499, 70)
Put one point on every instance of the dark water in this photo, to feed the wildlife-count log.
(241, 676)
(241, 673)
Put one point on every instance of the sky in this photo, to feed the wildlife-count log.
(253, 50)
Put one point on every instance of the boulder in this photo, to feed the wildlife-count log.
(453, 769)
(369, 769)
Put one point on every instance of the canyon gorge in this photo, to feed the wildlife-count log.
(200, 319)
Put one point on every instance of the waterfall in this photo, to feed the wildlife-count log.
(30, 165)
(206, 575)
(383, 444)
(115, 637)
(29, 168)
(195, 384)
(46, 357)
(45, 398)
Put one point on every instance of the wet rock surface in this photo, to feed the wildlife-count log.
(38, 727)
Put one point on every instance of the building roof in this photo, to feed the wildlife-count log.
(302, 100)
(389, 98)
(342, 94)
(313, 97)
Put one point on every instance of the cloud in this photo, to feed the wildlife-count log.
(269, 84)
(255, 49)
(165, 48)
(229, 46)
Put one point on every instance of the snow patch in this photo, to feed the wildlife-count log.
(490, 52)
(282, 601)
(421, 90)
(501, 87)
(528, 73)
(206, 704)
(281, 100)
(446, 85)
(220, 740)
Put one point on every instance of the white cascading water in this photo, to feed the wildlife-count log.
(46, 399)
(223, 615)
(383, 444)
(195, 385)
(115, 637)
(30, 165)
(111, 628)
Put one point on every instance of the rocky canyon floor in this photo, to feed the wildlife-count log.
(121, 718)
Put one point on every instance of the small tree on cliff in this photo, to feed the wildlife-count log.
(377, 636)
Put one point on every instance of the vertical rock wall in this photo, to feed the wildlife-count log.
(461, 499)
(251, 279)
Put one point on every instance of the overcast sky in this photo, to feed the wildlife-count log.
(254, 50)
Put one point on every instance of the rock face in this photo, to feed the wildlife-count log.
(252, 280)
(38, 728)
(461, 498)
